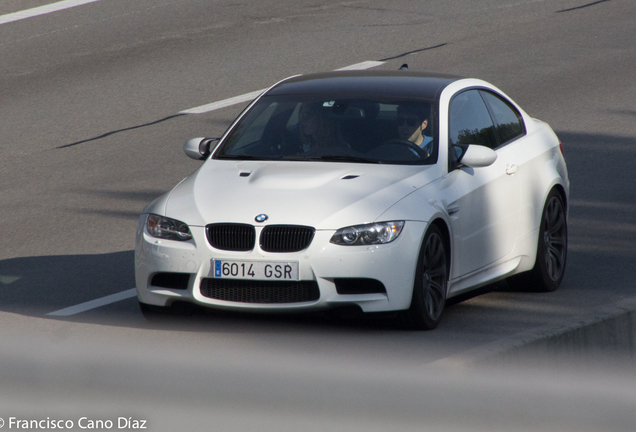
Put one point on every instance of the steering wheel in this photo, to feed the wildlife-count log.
(413, 149)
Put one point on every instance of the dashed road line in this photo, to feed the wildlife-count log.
(361, 66)
(103, 301)
(42, 10)
(252, 95)
(223, 103)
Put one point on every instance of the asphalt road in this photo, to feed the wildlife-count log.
(89, 98)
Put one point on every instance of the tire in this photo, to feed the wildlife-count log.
(431, 283)
(552, 250)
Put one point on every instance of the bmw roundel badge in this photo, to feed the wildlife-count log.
(261, 218)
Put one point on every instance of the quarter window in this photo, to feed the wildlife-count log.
(470, 122)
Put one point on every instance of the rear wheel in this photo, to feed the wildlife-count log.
(552, 249)
(431, 283)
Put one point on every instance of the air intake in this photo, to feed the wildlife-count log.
(268, 292)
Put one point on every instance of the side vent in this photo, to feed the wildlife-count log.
(171, 280)
(359, 286)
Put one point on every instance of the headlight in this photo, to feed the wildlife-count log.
(166, 228)
(375, 233)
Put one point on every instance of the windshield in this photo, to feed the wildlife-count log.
(322, 128)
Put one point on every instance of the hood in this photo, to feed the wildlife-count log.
(324, 195)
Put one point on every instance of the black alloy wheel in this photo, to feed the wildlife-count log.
(431, 283)
(553, 241)
(552, 249)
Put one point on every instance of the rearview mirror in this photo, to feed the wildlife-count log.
(476, 156)
(200, 148)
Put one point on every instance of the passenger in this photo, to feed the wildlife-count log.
(412, 121)
(317, 131)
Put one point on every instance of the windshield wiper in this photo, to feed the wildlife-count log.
(241, 157)
(343, 158)
(324, 158)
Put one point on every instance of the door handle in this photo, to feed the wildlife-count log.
(511, 169)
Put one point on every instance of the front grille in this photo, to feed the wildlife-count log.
(286, 238)
(231, 237)
(249, 291)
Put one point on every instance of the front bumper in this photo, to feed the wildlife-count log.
(393, 265)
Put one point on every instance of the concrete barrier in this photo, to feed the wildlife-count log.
(606, 336)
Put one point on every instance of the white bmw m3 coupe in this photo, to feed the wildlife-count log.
(389, 191)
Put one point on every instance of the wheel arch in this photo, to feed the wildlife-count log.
(564, 196)
(444, 229)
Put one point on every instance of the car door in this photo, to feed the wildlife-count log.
(527, 159)
(485, 215)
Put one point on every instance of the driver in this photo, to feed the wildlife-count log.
(412, 121)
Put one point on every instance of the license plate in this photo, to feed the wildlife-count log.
(256, 270)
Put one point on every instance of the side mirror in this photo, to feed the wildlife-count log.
(200, 148)
(476, 156)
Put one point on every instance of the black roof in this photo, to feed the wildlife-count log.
(367, 83)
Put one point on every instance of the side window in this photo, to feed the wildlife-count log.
(509, 121)
(470, 122)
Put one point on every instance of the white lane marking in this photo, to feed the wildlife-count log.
(250, 96)
(361, 66)
(53, 7)
(7, 280)
(224, 103)
(82, 307)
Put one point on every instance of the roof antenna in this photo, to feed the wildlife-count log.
(404, 67)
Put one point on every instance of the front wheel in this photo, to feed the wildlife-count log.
(431, 283)
(552, 249)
